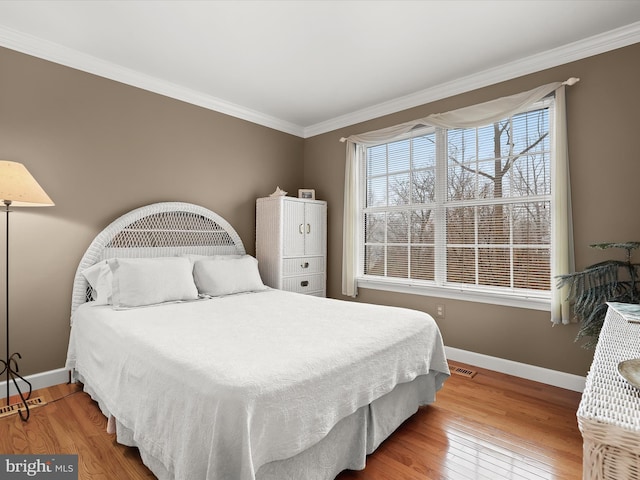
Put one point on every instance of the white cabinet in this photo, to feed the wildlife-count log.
(608, 413)
(291, 244)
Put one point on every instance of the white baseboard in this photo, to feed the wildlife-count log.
(530, 372)
(523, 370)
(38, 380)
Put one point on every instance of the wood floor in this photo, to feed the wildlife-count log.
(492, 427)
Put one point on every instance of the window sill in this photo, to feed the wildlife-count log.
(534, 301)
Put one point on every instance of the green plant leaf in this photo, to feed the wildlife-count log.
(591, 289)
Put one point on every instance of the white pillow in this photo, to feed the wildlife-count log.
(100, 277)
(149, 281)
(224, 276)
(194, 257)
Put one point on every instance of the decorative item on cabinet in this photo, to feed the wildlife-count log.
(278, 192)
(308, 193)
(291, 244)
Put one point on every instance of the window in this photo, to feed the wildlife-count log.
(461, 210)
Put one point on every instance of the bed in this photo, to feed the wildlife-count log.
(212, 375)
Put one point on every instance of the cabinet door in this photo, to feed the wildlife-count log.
(294, 228)
(314, 229)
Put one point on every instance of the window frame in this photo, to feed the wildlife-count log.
(524, 298)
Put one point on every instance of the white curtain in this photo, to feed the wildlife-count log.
(350, 232)
(474, 116)
(562, 258)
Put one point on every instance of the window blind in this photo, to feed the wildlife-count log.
(466, 207)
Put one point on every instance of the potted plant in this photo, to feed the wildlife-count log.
(607, 281)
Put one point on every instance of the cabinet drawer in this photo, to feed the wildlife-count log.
(304, 283)
(302, 265)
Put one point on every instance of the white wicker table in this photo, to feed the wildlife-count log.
(609, 412)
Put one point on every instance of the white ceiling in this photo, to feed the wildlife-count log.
(307, 67)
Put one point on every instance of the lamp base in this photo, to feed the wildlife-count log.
(11, 368)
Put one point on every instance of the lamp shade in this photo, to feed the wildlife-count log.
(19, 188)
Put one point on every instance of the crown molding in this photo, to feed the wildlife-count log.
(618, 38)
(62, 55)
(57, 53)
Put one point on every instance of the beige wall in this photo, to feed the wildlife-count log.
(100, 148)
(605, 167)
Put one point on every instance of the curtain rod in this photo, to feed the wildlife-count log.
(569, 82)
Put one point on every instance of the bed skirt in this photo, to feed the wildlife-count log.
(344, 448)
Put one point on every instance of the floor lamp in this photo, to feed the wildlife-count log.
(18, 189)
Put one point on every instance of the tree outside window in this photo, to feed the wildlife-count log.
(464, 207)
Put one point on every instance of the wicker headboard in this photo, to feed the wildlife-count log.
(158, 230)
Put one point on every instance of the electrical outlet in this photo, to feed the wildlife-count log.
(440, 311)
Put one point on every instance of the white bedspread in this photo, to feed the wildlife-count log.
(216, 388)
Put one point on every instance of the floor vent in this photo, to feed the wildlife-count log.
(465, 372)
(13, 408)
